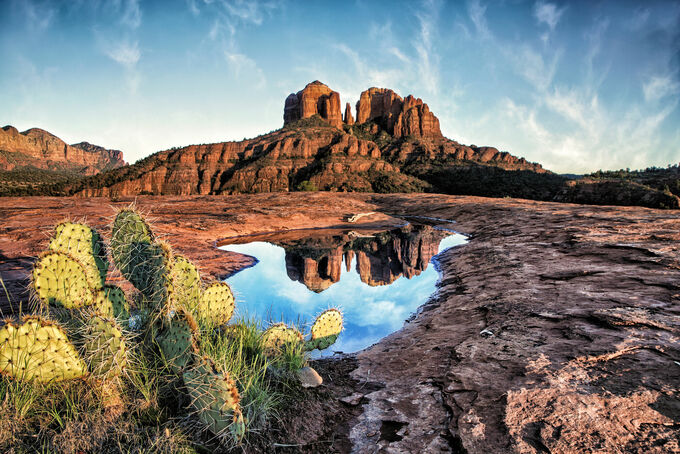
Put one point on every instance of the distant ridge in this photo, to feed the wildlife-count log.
(39, 149)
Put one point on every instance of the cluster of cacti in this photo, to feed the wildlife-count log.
(89, 337)
(92, 334)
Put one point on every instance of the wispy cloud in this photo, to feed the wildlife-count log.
(477, 13)
(548, 14)
(428, 59)
(659, 87)
(229, 16)
(38, 15)
(125, 53)
(131, 14)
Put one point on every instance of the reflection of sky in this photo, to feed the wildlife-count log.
(371, 313)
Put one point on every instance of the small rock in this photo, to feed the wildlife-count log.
(309, 377)
(485, 333)
(352, 399)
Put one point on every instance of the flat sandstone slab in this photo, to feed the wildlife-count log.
(555, 329)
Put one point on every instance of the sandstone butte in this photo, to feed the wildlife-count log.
(41, 149)
(315, 145)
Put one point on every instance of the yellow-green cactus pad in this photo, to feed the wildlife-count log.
(86, 246)
(215, 399)
(104, 347)
(176, 339)
(110, 302)
(60, 280)
(217, 304)
(38, 350)
(185, 283)
(325, 330)
(277, 336)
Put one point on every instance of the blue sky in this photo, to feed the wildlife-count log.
(576, 86)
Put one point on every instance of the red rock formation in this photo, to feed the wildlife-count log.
(407, 117)
(324, 157)
(381, 103)
(38, 148)
(349, 120)
(315, 99)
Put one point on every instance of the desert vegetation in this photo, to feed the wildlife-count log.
(155, 364)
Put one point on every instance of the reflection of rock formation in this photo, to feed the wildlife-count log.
(317, 275)
(381, 259)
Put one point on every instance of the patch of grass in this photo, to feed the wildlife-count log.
(70, 416)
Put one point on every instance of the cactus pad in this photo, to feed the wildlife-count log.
(110, 302)
(215, 399)
(325, 330)
(60, 280)
(86, 246)
(40, 350)
(185, 283)
(139, 258)
(177, 339)
(217, 304)
(104, 347)
(277, 336)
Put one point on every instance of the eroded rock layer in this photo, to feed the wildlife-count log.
(43, 150)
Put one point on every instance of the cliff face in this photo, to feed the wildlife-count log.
(43, 150)
(400, 117)
(315, 99)
(316, 149)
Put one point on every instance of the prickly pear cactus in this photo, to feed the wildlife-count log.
(104, 347)
(325, 330)
(110, 302)
(143, 261)
(277, 336)
(217, 304)
(60, 280)
(176, 339)
(185, 283)
(86, 246)
(215, 399)
(38, 349)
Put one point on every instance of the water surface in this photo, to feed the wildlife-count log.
(377, 278)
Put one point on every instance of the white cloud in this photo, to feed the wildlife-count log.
(38, 16)
(659, 87)
(250, 11)
(428, 59)
(193, 7)
(538, 70)
(125, 53)
(477, 14)
(132, 14)
(548, 13)
(241, 65)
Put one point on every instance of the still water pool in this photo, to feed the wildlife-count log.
(377, 277)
